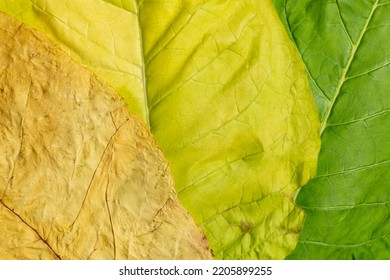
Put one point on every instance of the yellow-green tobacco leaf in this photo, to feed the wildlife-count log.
(101, 36)
(80, 177)
(228, 101)
(230, 105)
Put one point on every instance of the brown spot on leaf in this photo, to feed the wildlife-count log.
(246, 227)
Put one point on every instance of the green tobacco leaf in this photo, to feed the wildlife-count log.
(346, 49)
(225, 94)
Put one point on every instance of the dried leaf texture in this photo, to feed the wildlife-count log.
(80, 177)
(225, 94)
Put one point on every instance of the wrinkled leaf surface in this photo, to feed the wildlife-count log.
(80, 177)
(224, 93)
(346, 49)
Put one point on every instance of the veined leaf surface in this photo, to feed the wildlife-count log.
(224, 93)
(102, 37)
(80, 177)
(346, 49)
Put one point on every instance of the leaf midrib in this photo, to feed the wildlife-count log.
(343, 77)
(143, 73)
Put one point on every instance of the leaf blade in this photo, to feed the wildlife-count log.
(81, 178)
(92, 33)
(238, 167)
(350, 190)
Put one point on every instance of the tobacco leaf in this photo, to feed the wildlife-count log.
(80, 177)
(345, 47)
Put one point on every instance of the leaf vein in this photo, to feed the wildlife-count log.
(346, 68)
(353, 170)
(33, 229)
(372, 116)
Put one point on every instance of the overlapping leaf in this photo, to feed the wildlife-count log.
(224, 93)
(99, 35)
(346, 49)
(80, 178)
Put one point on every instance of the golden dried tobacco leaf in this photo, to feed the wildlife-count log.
(80, 177)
